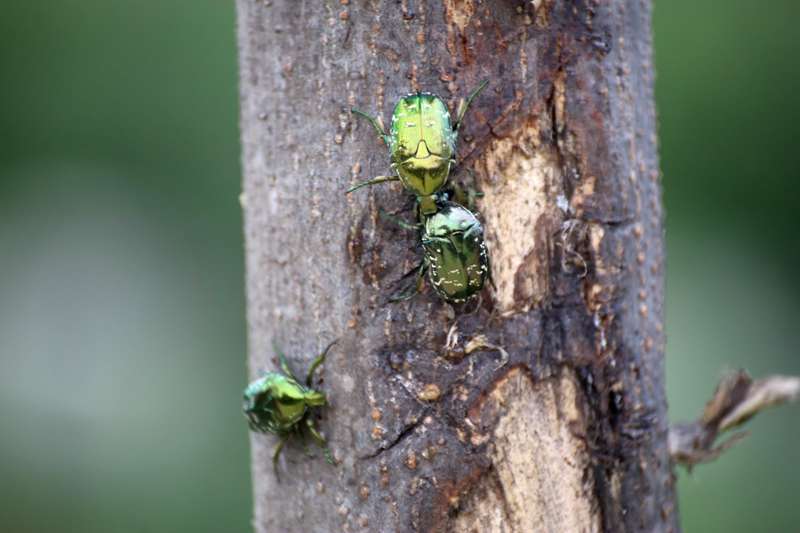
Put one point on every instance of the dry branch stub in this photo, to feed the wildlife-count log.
(736, 399)
(536, 407)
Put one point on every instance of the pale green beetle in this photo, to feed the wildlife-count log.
(422, 146)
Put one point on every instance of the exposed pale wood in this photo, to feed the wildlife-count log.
(541, 476)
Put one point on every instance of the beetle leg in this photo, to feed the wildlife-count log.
(318, 361)
(405, 225)
(478, 306)
(472, 192)
(463, 109)
(320, 440)
(374, 181)
(465, 198)
(418, 239)
(417, 283)
(303, 441)
(400, 223)
(284, 438)
(375, 123)
(284, 366)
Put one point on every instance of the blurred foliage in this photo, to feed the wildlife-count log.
(727, 92)
(122, 329)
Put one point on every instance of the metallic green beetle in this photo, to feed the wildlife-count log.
(422, 145)
(455, 252)
(277, 403)
(454, 247)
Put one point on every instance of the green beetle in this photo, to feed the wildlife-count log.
(455, 252)
(422, 145)
(277, 403)
(454, 247)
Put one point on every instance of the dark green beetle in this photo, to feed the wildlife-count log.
(422, 145)
(454, 247)
(277, 403)
(455, 252)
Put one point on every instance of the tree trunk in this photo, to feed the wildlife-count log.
(571, 433)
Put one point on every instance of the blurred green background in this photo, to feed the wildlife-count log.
(122, 331)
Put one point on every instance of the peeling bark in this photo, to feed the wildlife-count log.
(570, 434)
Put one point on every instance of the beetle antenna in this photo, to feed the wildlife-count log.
(374, 123)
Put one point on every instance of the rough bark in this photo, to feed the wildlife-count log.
(569, 435)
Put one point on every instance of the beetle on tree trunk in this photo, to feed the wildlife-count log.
(429, 433)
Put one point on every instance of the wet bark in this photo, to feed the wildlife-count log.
(571, 433)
